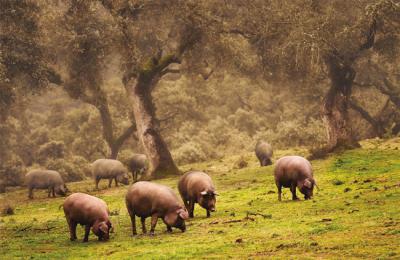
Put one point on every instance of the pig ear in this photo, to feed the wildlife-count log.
(183, 214)
(203, 193)
(307, 183)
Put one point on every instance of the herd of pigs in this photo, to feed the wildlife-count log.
(148, 199)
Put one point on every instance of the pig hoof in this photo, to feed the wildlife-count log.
(85, 240)
(72, 239)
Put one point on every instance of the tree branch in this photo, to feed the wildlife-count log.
(166, 71)
(168, 117)
(376, 125)
(125, 135)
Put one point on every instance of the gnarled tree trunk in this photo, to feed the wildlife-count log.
(155, 147)
(335, 106)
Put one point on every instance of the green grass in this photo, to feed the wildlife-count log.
(355, 214)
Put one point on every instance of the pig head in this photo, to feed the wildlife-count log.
(306, 187)
(176, 218)
(207, 200)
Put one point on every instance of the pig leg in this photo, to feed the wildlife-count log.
(280, 193)
(293, 190)
(133, 222)
(169, 229)
(208, 214)
(279, 186)
(87, 231)
(72, 229)
(154, 219)
(97, 182)
(143, 220)
(116, 182)
(48, 192)
(110, 182)
(191, 208)
(53, 192)
(30, 193)
(186, 203)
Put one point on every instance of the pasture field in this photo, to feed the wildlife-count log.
(354, 214)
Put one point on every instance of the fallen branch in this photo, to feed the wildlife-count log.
(258, 214)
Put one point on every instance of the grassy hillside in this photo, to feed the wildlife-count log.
(355, 214)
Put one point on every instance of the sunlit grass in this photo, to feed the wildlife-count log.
(355, 214)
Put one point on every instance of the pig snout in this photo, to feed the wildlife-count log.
(104, 237)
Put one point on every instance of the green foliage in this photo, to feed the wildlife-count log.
(189, 152)
(75, 169)
(51, 150)
(12, 171)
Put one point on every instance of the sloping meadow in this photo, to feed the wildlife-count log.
(354, 214)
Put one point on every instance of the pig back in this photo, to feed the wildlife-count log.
(107, 168)
(42, 179)
(292, 168)
(85, 209)
(145, 198)
(263, 149)
(193, 183)
(137, 162)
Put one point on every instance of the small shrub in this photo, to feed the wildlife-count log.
(240, 163)
(7, 210)
(189, 152)
(68, 170)
(337, 182)
(51, 150)
(12, 172)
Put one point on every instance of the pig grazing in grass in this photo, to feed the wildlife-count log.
(292, 172)
(145, 199)
(45, 179)
(264, 153)
(197, 187)
(111, 170)
(137, 164)
(88, 211)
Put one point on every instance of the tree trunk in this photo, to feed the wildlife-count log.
(335, 106)
(155, 147)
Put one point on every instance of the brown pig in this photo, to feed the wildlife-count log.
(197, 187)
(111, 170)
(45, 179)
(137, 164)
(88, 211)
(264, 153)
(292, 172)
(145, 199)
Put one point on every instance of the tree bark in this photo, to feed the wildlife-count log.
(335, 106)
(141, 87)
